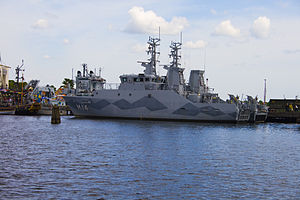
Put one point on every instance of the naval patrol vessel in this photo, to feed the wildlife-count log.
(151, 96)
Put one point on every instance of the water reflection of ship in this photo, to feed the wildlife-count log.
(150, 96)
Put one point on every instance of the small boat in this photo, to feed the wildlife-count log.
(28, 109)
(262, 113)
(7, 110)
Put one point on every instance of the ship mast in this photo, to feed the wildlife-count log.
(175, 72)
(265, 91)
(153, 60)
(85, 72)
(175, 47)
(18, 69)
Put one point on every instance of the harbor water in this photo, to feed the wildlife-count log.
(132, 159)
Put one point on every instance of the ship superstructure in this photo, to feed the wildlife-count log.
(150, 96)
(88, 82)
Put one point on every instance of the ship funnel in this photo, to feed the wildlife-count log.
(196, 80)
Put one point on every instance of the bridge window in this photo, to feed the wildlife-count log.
(138, 79)
(124, 79)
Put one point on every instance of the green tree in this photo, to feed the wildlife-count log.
(67, 81)
(53, 87)
(12, 85)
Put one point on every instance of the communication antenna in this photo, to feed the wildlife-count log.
(72, 74)
(181, 37)
(204, 59)
(158, 53)
(181, 44)
(159, 33)
(265, 91)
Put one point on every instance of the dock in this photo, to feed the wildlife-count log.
(284, 111)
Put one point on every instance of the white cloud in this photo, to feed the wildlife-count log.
(195, 45)
(225, 28)
(292, 51)
(148, 22)
(40, 24)
(213, 11)
(110, 27)
(66, 41)
(261, 27)
(46, 56)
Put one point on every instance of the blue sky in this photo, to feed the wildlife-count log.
(245, 41)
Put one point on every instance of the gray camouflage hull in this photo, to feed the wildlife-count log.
(149, 104)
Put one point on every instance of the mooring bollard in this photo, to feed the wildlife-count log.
(55, 119)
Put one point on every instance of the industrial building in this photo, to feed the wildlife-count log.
(4, 72)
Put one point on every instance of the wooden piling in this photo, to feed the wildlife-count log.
(55, 118)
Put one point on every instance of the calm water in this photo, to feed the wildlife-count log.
(120, 159)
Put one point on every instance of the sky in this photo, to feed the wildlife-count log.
(238, 43)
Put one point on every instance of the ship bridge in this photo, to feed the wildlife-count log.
(142, 82)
